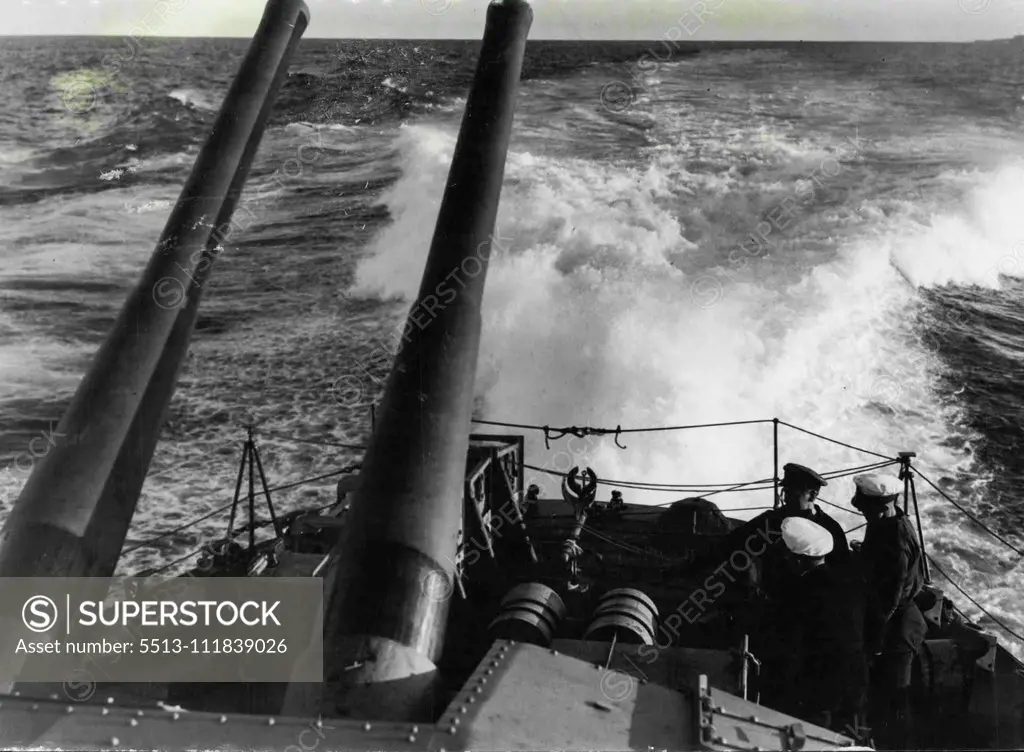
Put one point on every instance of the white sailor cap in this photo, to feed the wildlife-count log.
(806, 538)
(878, 487)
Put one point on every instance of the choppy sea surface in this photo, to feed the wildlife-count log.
(828, 234)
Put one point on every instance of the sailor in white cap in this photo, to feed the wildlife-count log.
(800, 486)
(820, 674)
(876, 488)
(807, 541)
(893, 567)
(770, 581)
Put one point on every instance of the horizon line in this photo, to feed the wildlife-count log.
(541, 39)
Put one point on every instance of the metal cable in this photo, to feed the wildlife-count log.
(974, 519)
(836, 441)
(208, 515)
(315, 442)
(583, 430)
(980, 607)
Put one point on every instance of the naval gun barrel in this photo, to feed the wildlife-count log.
(73, 514)
(387, 587)
(72, 517)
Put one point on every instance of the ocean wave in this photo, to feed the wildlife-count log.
(979, 242)
(194, 99)
(595, 257)
(591, 319)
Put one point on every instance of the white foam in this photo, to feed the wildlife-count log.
(977, 244)
(195, 98)
(588, 320)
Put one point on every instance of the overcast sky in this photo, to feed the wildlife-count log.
(890, 20)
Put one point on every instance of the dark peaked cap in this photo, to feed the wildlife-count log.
(798, 475)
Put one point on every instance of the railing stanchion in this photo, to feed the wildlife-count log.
(775, 450)
(910, 492)
(252, 492)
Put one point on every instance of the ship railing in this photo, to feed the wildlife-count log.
(903, 459)
(908, 471)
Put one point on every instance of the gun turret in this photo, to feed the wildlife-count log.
(387, 585)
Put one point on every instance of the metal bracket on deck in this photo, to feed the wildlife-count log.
(987, 662)
(795, 737)
(705, 713)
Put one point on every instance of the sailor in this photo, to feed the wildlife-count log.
(800, 486)
(758, 543)
(893, 570)
(821, 674)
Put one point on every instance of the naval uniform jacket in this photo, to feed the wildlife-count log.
(893, 568)
(769, 525)
(778, 628)
(819, 627)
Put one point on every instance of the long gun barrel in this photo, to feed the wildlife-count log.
(72, 516)
(386, 588)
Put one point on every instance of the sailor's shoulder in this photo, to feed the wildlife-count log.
(766, 526)
(885, 526)
(824, 519)
(905, 525)
(907, 533)
(890, 536)
(897, 530)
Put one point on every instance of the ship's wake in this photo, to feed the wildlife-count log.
(601, 311)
